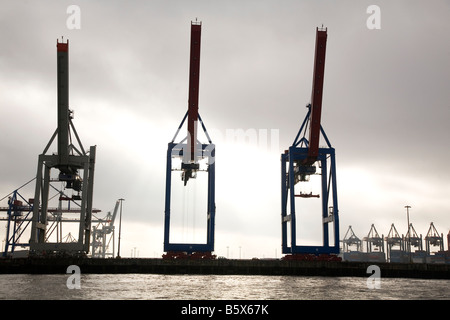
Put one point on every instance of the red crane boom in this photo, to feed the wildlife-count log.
(194, 76)
(189, 164)
(316, 95)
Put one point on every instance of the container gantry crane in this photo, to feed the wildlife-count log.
(191, 152)
(433, 239)
(299, 162)
(374, 246)
(374, 242)
(395, 245)
(18, 212)
(350, 239)
(76, 170)
(100, 233)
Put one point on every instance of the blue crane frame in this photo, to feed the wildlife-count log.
(206, 151)
(328, 184)
(17, 222)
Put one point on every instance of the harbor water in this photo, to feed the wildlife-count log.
(215, 287)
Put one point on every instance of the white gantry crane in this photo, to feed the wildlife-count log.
(103, 235)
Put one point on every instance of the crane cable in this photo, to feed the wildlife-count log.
(17, 189)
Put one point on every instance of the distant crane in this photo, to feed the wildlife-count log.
(350, 240)
(433, 239)
(18, 212)
(299, 162)
(76, 170)
(413, 239)
(19, 219)
(374, 242)
(103, 234)
(395, 245)
(191, 152)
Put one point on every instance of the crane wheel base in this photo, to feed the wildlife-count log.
(182, 255)
(311, 257)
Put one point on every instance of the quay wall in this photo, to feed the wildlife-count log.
(223, 267)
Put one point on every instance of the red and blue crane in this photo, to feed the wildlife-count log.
(305, 158)
(191, 152)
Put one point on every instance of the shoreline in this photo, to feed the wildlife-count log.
(222, 267)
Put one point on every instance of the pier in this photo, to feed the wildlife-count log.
(261, 267)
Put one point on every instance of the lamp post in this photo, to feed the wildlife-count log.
(120, 227)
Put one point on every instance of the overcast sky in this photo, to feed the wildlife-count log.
(386, 107)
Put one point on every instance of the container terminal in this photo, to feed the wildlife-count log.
(33, 224)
